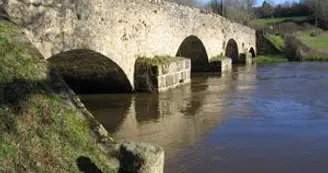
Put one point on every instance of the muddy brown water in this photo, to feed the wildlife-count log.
(257, 119)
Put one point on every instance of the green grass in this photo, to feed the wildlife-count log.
(316, 57)
(318, 45)
(277, 41)
(263, 23)
(218, 58)
(270, 59)
(157, 60)
(319, 42)
(37, 132)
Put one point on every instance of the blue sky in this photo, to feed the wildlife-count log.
(259, 2)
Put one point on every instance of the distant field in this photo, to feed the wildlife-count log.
(319, 42)
(261, 23)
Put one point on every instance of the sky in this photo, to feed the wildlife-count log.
(259, 2)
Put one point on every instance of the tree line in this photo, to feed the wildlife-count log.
(244, 10)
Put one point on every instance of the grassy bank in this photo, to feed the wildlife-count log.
(315, 57)
(315, 41)
(270, 59)
(296, 37)
(313, 45)
(39, 131)
(264, 23)
(277, 41)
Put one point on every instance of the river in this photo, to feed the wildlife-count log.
(256, 119)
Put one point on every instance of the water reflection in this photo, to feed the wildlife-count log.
(269, 118)
(111, 110)
(174, 119)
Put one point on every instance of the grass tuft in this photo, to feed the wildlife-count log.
(157, 60)
(218, 58)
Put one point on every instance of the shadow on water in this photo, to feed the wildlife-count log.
(109, 109)
(86, 165)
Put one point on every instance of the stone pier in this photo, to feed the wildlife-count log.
(246, 58)
(221, 65)
(151, 76)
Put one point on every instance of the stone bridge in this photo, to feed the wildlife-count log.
(109, 35)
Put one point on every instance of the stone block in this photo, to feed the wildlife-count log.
(151, 78)
(223, 65)
(246, 58)
(137, 157)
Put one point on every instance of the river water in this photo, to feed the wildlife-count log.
(257, 119)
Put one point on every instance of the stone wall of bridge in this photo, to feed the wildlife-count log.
(123, 30)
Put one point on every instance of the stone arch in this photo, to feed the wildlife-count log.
(252, 52)
(232, 51)
(192, 47)
(87, 71)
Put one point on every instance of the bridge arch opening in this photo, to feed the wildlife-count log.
(252, 52)
(192, 47)
(232, 51)
(87, 71)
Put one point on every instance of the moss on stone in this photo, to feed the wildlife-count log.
(157, 60)
(218, 58)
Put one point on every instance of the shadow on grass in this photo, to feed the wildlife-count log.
(86, 165)
(15, 95)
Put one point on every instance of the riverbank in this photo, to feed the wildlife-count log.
(261, 59)
(294, 37)
(40, 128)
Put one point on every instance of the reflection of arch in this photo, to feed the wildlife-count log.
(232, 51)
(252, 52)
(192, 47)
(86, 71)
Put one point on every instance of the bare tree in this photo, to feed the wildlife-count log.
(193, 3)
(319, 9)
(238, 10)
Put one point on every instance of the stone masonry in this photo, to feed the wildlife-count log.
(157, 78)
(222, 65)
(123, 30)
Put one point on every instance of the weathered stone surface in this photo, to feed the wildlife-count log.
(223, 65)
(158, 78)
(123, 30)
(138, 157)
(246, 58)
